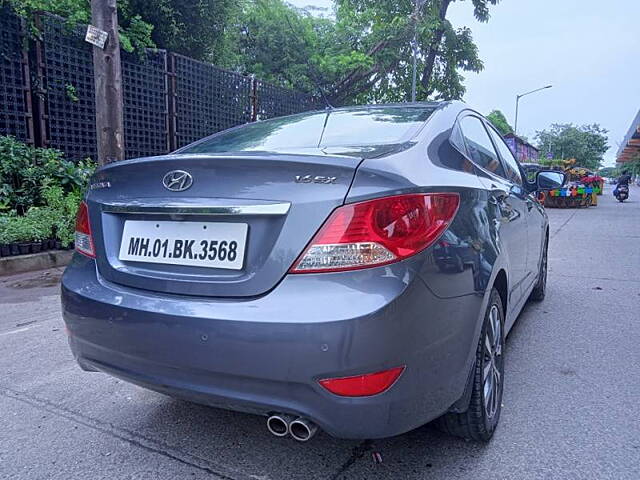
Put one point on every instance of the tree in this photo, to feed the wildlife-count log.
(191, 27)
(135, 33)
(609, 172)
(195, 28)
(362, 54)
(498, 120)
(279, 44)
(383, 30)
(586, 143)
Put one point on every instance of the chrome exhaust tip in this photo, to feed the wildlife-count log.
(278, 424)
(302, 429)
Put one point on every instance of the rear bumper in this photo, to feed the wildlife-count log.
(267, 354)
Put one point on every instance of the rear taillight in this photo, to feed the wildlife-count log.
(378, 232)
(363, 385)
(83, 238)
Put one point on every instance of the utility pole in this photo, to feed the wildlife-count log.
(108, 83)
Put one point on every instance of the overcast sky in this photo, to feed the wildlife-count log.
(587, 49)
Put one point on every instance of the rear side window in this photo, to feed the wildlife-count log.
(510, 163)
(479, 145)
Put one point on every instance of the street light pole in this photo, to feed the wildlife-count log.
(518, 97)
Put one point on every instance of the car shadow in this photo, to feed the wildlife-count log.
(238, 445)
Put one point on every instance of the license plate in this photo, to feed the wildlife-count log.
(198, 244)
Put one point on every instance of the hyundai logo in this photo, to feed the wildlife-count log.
(177, 180)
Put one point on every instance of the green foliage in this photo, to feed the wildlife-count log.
(135, 33)
(194, 28)
(137, 37)
(41, 221)
(609, 172)
(632, 167)
(551, 162)
(362, 54)
(7, 231)
(29, 228)
(498, 120)
(71, 92)
(75, 11)
(62, 208)
(25, 170)
(586, 143)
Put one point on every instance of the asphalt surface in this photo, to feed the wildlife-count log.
(571, 400)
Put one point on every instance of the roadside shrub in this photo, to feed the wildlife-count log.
(41, 222)
(25, 171)
(63, 209)
(18, 230)
(7, 234)
(39, 193)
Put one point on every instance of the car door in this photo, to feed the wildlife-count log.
(506, 199)
(534, 211)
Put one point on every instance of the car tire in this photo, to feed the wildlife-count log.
(480, 420)
(540, 290)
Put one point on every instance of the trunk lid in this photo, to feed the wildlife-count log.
(281, 198)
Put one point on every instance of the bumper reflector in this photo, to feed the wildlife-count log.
(363, 385)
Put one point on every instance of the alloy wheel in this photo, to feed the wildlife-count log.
(492, 367)
(543, 271)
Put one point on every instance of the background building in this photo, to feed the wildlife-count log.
(630, 146)
(524, 151)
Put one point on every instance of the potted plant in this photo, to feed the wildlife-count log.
(4, 237)
(11, 235)
(64, 208)
(23, 235)
(40, 222)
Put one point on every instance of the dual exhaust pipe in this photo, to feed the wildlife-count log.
(301, 429)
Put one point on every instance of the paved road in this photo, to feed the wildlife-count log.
(571, 402)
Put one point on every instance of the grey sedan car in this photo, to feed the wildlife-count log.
(289, 268)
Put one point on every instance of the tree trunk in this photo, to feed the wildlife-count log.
(433, 47)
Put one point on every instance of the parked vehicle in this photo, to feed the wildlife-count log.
(288, 268)
(621, 192)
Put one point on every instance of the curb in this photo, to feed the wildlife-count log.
(34, 261)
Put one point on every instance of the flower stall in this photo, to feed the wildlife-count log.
(581, 189)
(571, 196)
(594, 181)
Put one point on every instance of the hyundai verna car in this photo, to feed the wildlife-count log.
(289, 268)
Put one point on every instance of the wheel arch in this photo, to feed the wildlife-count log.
(501, 284)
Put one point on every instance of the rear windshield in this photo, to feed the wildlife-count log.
(337, 128)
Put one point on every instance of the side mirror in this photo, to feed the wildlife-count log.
(549, 180)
